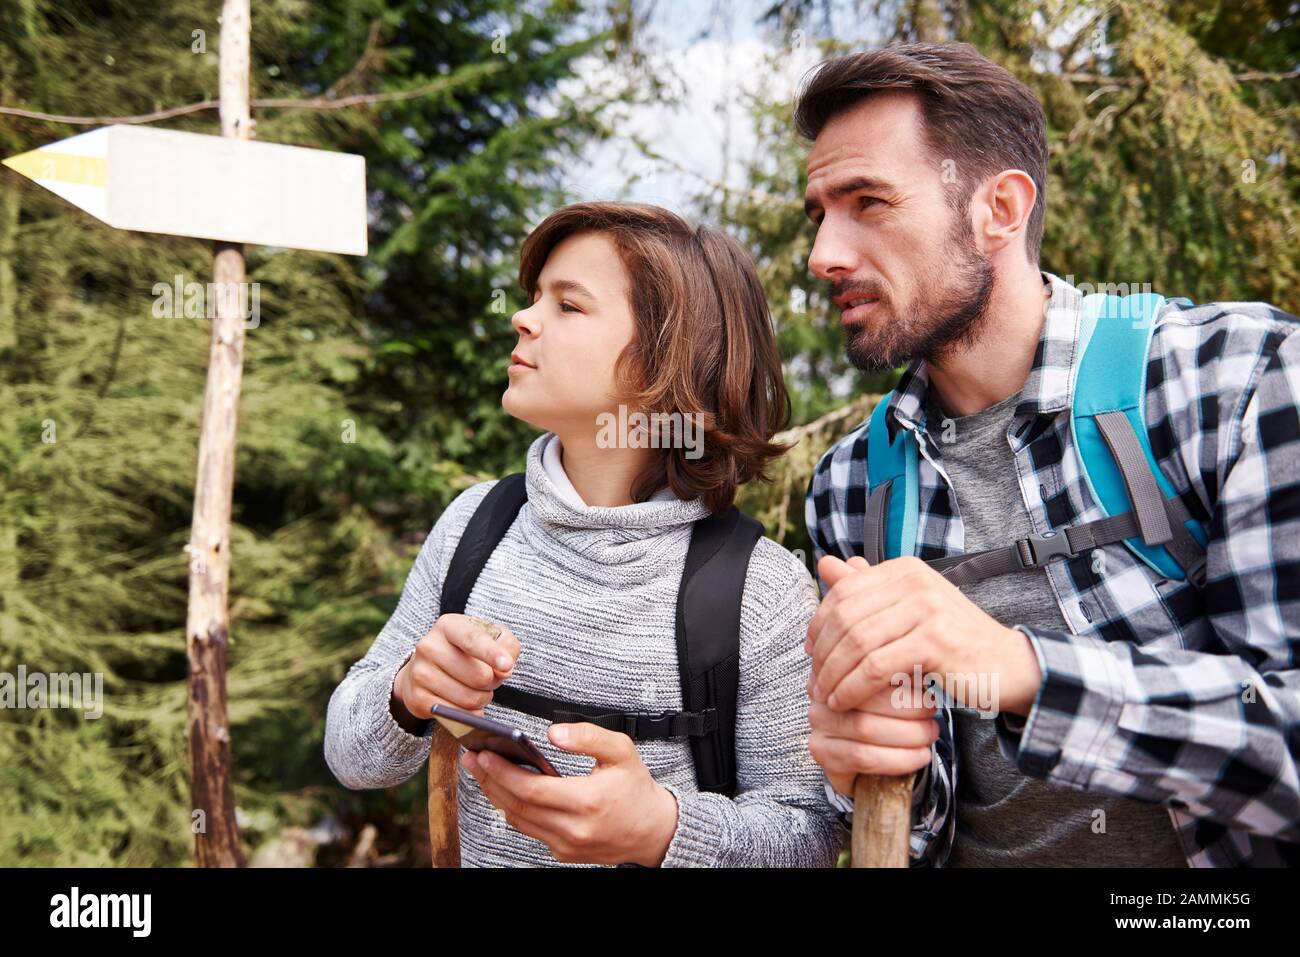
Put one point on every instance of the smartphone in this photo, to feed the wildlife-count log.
(483, 734)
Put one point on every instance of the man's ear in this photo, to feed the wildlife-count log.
(1007, 200)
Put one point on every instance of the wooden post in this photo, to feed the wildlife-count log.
(207, 633)
(882, 820)
(444, 825)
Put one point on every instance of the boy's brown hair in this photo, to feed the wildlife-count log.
(704, 342)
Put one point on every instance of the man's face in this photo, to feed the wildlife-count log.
(902, 263)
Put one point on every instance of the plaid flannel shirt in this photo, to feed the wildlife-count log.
(1158, 692)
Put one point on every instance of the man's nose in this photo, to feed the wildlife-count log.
(833, 253)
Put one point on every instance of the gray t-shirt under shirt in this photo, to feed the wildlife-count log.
(1005, 817)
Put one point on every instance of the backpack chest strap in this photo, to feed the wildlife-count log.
(1156, 524)
(1037, 550)
(637, 725)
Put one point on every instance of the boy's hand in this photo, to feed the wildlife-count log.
(460, 662)
(617, 814)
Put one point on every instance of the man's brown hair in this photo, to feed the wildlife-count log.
(976, 113)
(703, 342)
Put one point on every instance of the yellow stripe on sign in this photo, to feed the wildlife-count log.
(60, 167)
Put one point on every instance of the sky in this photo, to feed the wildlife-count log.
(717, 51)
(713, 53)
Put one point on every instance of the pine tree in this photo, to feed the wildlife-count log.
(368, 394)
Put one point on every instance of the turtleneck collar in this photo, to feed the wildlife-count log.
(554, 467)
(595, 536)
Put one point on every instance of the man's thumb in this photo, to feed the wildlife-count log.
(832, 569)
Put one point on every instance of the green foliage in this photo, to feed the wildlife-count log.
(371, 394)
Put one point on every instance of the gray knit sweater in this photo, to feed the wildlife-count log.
(590, 592)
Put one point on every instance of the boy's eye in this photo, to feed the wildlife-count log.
(566, 306)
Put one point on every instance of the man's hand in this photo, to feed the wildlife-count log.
(460, 662)
(879, 738)
(879, 622)
(617, 814)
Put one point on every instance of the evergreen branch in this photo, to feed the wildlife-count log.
(856, 407)
(313, 103)
(360, 67)
(1102, 79)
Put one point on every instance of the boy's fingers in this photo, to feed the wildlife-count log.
(832, 569)
(467, 670)
(475, 640)
(901, 703)
(500, 634)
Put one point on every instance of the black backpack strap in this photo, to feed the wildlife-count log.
(708, 634)
(637, 725)
(487, 526)
(708, 638)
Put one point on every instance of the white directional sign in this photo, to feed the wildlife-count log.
(209, 187)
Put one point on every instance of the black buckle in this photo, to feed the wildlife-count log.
(1037, 550)
(642, 725)
(710, 716)
(658, 725)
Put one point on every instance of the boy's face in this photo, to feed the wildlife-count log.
(570, 337)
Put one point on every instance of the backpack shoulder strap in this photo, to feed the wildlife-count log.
(484, 531)
(893, 504)
(1108, 417)
(708, 638)
(708, 633)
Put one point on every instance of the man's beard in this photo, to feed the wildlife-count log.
(935, 327)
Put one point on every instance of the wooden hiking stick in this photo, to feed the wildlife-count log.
(444, 773)
(444, 827)
(207, 620)
(882, 820)
(882, 816)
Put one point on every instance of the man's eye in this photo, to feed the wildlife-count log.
(866, 201)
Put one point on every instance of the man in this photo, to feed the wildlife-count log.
(1140, 720)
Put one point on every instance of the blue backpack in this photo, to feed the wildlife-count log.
(1108, 422)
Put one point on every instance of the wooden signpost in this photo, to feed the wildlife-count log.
(234, 191)
(227, 188)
